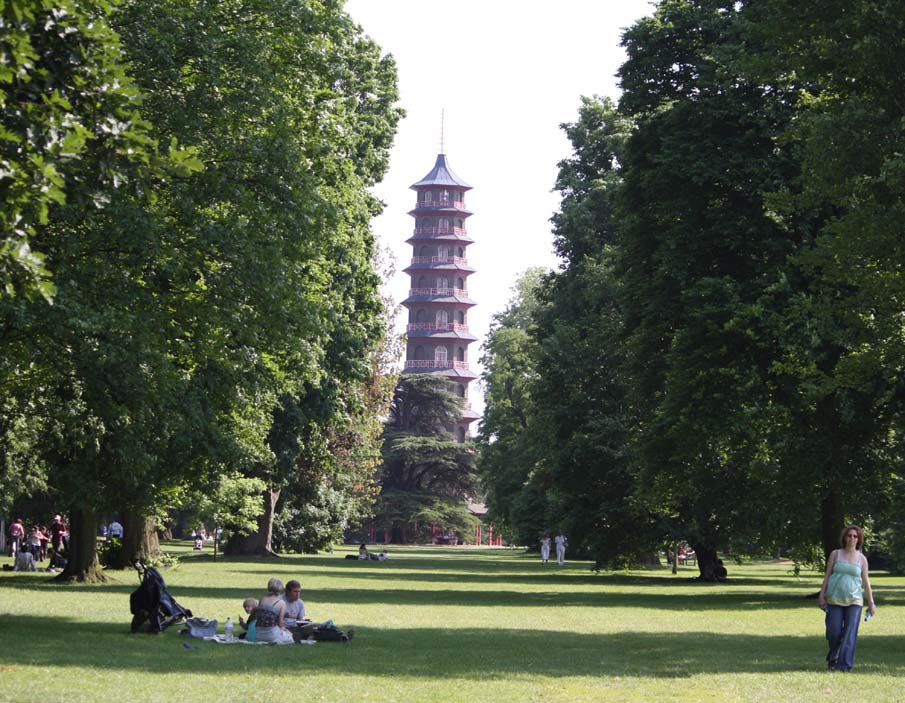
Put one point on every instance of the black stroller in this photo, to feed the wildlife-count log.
(151, 603)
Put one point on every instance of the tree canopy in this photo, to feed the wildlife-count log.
(719, 358)
(197, 296)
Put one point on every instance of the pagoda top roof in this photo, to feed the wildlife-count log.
(441, 175)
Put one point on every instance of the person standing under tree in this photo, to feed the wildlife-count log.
(561, 543)
(845, 585)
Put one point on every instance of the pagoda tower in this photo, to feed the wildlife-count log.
(438, 303)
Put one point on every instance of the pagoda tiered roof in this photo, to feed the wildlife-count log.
(441, 175)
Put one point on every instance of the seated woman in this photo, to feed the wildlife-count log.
(269, 615)
(363, 552)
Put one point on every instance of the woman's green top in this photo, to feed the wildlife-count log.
(844, 586)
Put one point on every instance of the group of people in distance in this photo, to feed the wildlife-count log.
(561, 543)
(30, 548)
(280, 617)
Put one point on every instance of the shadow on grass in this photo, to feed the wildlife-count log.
(433, 652)
(193, 597)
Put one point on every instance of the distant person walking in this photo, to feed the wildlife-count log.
(16, 536)
(561, 543)
(545, 548)
(845, 585)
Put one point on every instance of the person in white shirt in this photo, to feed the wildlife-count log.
(561, 543)
(295, 606)
(115, 530)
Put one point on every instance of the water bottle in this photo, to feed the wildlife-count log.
(229, 629)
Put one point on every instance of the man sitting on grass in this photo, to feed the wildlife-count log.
(297, 623)
(295, 607)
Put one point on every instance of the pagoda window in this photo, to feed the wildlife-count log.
(444, 283)
(422, 282)
(440, 354)
(461, 252)
(460, 223)
(461, 283)
(460, 434)
(460, 316)
(420, 353)
(426, 196)
(442, 317)
(421, 315)
(445, 196)
(460, 390)
(444, 223)
(460, 354)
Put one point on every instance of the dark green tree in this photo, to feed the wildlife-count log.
(842, 334)
(64, 96)
(581, 394)
(426, 475)
(508, 453)
(190, 304)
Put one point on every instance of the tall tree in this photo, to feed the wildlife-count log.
(189, 304)
(844, 346)
(426, 475)
(507, 454)
(581, 395)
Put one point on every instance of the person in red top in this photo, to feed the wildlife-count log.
(16, 536)
(58, 531)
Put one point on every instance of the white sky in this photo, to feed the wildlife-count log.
(507, 73)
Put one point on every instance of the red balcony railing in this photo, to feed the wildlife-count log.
(457, 231)
(442, 203)
(461, 292)
(437, 327)
(431, 364)
(457, 260)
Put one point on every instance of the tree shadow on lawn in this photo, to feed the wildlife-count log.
(193, 597)
(441, 573)
(438, 652)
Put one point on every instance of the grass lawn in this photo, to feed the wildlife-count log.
(452, 624)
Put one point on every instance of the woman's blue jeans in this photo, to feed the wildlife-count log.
(842, 634)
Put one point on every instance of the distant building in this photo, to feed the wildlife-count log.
(438, 303)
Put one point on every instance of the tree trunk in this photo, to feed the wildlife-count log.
(82, 563)
(260, 542)
(140, 540)
(710, 565)
(832, 519)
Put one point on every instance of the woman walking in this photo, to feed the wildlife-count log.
(845, 586)
(545, 548)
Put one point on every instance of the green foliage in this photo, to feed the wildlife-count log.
(232, 503)
(108, 552)
(64, 96)
(720, 357)
(425, 474)
(213, 281)
(507, 452)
